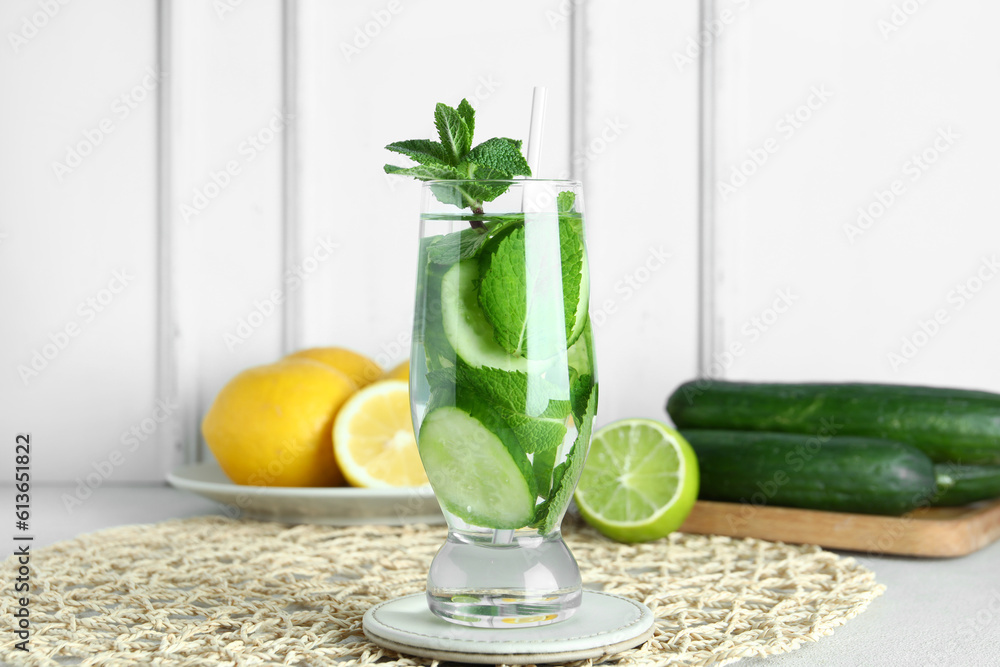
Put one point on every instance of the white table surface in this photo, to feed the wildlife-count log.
(934, 612)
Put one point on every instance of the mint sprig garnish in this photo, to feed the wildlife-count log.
(424, 151)
(453, 157)
(455, 133)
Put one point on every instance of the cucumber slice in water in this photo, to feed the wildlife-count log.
(465, 326)
(473, 474)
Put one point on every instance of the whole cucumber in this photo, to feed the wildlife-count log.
(961, 485)
(823, 472)
(949, 425)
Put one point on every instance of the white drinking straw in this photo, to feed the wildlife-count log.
(533, 150)
(534, 146)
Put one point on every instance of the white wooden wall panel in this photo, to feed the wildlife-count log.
(638, 152)
(77, 206)
(370, 74)
(897, 85)
(227, 125)
(623, 115)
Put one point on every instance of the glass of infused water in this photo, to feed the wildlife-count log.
(503, 388)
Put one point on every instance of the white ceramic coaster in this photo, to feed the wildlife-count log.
(604, 624)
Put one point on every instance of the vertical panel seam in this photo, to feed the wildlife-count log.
(577, 87)
(166, 340)
(291, 306)
(707, 275)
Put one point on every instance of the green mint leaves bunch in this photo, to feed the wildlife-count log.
(455, 158)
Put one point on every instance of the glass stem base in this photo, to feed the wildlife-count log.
(508, 580)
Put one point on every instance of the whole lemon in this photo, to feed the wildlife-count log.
(362, 370)
(400, 372)
(271, 425)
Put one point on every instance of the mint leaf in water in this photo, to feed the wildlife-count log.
(457, 246)
(510, 391)
(536, 434)
(580, 391)
(530, 405)
(571, 255)
(430, 330)
(565, 201)
(566, 474)
(508, 300)
(455, 159)
(544, 464)
(504, 294)
(468, 243)
(499, 396)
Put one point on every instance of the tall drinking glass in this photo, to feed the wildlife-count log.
(504, 390)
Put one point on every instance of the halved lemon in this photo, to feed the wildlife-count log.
(373, 438)
(362, 370)
(400, 372)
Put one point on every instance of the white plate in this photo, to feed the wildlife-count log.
(332, 506)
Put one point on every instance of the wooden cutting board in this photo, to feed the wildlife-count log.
(931, 532)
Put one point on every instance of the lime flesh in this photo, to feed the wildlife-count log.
(640, 481)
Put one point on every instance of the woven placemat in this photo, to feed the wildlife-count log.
(216, 591)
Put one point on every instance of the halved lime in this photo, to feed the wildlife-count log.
(640, 481)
